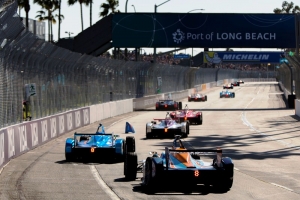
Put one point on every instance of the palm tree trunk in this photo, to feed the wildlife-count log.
(91, 8)
(81, 17)
(27, 20)
(59, 21)
(49, 31)
(27, 8)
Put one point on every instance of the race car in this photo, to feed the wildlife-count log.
(99, 146)
(179, 166)
(190, 115)
(235, 83)
(240, 81)
(168, 105)
(227, 94)
(227, 86)
(166, 127)
(197, 97)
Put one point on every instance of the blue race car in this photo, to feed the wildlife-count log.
(182, 166)
(99, 145)
(227, 94)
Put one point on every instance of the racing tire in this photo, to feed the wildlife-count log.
(199, 120)
(180, 105)
(130, 144)
(121, 157)
(130, 166)
(149, 181)
(187, 130)
(205, 98)
(148, 135)
(69, 157)
(233, 95)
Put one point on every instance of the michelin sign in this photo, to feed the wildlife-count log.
(215, 57)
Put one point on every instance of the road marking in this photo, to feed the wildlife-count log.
(236, 169)
(102, 184)
(4, 167)
(282, 187)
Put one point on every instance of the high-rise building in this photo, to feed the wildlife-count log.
(36, 27)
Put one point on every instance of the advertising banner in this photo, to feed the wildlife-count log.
(216, 57)
(203, 30)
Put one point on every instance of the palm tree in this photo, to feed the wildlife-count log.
(72, 2)
(287, 8)
(50, 6)
(110, 5)
(24, 4)
(90, 3)
(59, 19)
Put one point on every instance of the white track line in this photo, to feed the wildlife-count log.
(282, 187)
(102, 184)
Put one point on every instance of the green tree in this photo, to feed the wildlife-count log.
(72, 2)
(24, 4)
(50, 6)
(287, 8)
(90, 3)
(110, 5)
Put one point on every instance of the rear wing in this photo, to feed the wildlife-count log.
(91, 134)
(218, 151)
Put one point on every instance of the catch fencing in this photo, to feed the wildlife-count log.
(54, 80)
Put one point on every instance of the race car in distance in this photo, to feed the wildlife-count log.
(197, 97)
(227, 86)
(99, 146)
(179, 165)
(240, 81)
(235, 83)
(166, 127)
(227, 94)
(190, 115)
(168, 105)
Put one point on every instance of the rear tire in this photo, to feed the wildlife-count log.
(187, 131)
(130, 144)
(130, 166)
(180, 105)
(205, 98)
(69, 157)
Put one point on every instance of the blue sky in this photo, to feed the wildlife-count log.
(72, 21)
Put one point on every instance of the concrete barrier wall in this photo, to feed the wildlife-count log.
(297, 107)
(18, 139)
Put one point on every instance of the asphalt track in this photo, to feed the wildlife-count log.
(255, 129)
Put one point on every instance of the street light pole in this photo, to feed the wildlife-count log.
(133, 8)
(195, 9)
(155, 9)
(126, 6)
(69, 34)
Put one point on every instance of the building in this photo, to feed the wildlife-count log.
(35, 27)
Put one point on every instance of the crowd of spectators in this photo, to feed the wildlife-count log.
(241, 66)
(165, 59)
(168, 59)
